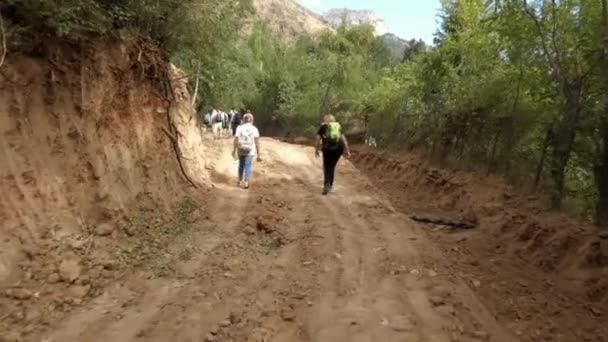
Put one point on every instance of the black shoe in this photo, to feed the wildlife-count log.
(326, 190)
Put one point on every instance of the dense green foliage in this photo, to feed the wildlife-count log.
(514, 87)
(511, 86)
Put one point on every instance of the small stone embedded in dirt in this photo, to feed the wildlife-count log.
(210, 338)
(448, 309)
(432, 274)
(19, 294)
(288, 314)
(476, 283)
(249, 231)
(402, 324)
(225, 323)
(53, 278)
(195, 216)
(70, 270)
(596, 312)
(603, 234)
(104, 229)
(414, 272)
(77, 244)
(481, 335)
(307, 263)
(235, 317)
(80, 291)
(437, 301)
(215, 330)
(128, 229)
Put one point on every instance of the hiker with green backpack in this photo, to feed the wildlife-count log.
(333, 143)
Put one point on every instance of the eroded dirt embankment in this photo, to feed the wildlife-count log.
(532, 264)
(82, 147)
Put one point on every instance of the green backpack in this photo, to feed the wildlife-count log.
(333, 135)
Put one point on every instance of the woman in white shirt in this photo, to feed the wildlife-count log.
(246, 148)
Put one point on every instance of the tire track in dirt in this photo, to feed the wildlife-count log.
(362, 307)
(348, 268)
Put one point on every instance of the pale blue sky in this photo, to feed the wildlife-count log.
(405, 18)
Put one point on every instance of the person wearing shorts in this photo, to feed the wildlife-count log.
(217, 123)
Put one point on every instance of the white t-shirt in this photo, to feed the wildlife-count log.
(248, 131)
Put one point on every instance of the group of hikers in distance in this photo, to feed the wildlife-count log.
(330, 143)
(221, 123)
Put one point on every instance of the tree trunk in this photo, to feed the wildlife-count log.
(601, 168)
(543, 157)
(563, 141)
(492, 156)
(601, 180)
(195, 94)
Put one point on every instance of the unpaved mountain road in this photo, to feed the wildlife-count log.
(287, 264)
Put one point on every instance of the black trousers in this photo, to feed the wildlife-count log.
(330, 160)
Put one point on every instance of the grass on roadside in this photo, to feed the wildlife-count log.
(157, 240)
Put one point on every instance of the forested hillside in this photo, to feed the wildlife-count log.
(513, 87)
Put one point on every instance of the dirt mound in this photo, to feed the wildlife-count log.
(518, 239)
(82, 151)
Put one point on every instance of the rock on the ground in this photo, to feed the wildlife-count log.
(481, 335)
(402, 324)
(249, 230)
(225, 323)
(80, 291)
(104, 229)
(53, 278)
(70, 270)
(214, 331)
(19, 294)
(437, 301)
(195, 216)
(288, 314)
(210, 338)
(476, 283)
(235, 317)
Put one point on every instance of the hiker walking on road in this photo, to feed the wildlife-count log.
(226, 123)
(236, 120)
(333, 144)
(246, 148)
(217, 119)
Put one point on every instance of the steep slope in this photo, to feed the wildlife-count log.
(83, 148)
(289, 19)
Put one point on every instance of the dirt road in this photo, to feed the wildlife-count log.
(280, 262)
